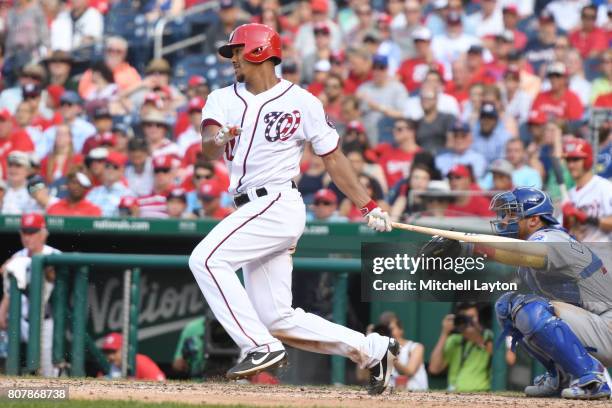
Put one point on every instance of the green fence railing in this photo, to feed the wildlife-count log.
(79, 265)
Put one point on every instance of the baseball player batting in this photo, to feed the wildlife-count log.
(260, 125)
(562, 316)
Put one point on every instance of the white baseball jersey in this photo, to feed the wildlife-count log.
(260, 236)
(595, 198)
(275, 125)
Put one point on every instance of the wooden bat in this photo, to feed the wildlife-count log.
(502, 249)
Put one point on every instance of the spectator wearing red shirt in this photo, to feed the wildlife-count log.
(559, 101)
(511, 19)
(210, 199)
(146, 369)
(466, 203)
(360, 69)
(396, 161)
(412, 71)
(589, 39)
(11, 139)
(75, 204)
(480, 73)
(604, 101)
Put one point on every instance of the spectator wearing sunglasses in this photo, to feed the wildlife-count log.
(30, 74)
(590, 40)
(70, 110)
(155, 127)
(325, 207)
(202, 171)
(108, 195)
(558, 102)
(209, 194)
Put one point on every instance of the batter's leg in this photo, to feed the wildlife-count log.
(268, 283)
(233, 242)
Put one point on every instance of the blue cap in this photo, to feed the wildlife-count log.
(488, 110)
(380, 60)
(70, 97)
(226, 4)
(460, 126)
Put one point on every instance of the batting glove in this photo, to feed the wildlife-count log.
(378, 219)
(227, 133)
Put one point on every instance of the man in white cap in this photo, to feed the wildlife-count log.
(17, 197)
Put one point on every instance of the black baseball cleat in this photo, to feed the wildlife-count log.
(255, 362)
(380, 374)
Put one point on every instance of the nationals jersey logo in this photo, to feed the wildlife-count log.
(281, 125)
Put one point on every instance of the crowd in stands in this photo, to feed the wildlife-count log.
(439, 103)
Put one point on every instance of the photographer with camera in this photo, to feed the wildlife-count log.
(465, 348)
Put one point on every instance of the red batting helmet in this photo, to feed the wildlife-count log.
(579, 148)
(260, 43)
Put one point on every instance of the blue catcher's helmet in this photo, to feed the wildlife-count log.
(513, 206)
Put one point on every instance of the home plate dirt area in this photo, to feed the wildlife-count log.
(229, 393)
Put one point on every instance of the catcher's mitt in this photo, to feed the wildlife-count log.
(440, 247)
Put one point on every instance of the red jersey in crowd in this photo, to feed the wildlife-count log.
(56, 171)
(412, 72)
(153, 206)
(352, 82)
(146, 369)
(83, 208)
(396, 165)
(19, 140)
(603, 101)
(477, 205)
(586, 43)
(567, 107)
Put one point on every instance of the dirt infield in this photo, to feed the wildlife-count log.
(223, 393)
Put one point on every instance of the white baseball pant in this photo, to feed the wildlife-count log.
(259, 238)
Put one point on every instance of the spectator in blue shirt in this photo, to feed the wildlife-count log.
(109, 194)
(461, 152)
(201, 171)
(523, 174)
(490, 135)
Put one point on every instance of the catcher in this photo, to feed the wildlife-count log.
(562, 315)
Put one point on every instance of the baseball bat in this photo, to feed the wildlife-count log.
(456, 235)
(503, 249)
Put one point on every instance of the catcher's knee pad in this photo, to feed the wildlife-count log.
(503, 311)
(547, 335)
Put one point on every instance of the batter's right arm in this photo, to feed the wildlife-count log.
(215, 137)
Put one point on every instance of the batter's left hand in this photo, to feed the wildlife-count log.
(379, 220)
